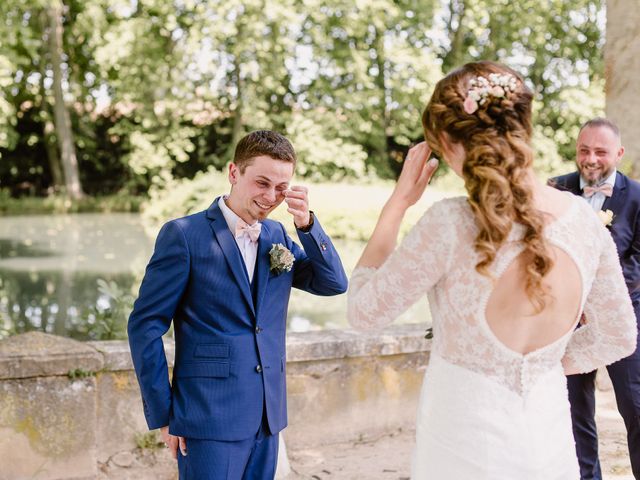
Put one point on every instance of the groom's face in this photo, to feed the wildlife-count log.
(257, 191)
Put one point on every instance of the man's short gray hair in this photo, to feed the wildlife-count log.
(601, 122)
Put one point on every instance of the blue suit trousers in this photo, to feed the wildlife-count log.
(625, 377)
(251, 459)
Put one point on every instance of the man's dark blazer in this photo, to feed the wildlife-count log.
(229, 334)
(625, 226)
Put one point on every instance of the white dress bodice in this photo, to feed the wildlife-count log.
(437, 258)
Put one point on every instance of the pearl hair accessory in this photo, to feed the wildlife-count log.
(497, 86)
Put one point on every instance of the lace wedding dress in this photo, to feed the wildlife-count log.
(487, 411)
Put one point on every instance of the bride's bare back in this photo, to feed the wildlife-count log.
(512, 317)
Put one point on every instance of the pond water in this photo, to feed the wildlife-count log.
(77, 275)
(51, 266)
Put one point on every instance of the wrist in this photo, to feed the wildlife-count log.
(396, 205)
(307, 227)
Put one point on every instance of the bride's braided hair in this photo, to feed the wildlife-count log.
(496, 139)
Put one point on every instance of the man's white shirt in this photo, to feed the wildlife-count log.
(248, 249)
(597, 199)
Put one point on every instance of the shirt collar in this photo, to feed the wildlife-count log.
(229, 215)
(611, 180)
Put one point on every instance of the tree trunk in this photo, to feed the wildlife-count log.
(61, 114)
(48, 131)
(50, 143)
(238, 127)
(456, 34)
(385, 114)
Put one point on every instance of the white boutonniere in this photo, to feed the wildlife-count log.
(606, 217)
(281, 259)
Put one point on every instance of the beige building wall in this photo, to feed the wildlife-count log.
(622, 63)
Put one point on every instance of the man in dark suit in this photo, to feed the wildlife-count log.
(224, 276)
(598, 152)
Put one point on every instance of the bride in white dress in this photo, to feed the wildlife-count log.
(510, 271)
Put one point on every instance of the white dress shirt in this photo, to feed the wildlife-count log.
(248, 249)
(597, 199)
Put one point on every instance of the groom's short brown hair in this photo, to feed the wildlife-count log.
(263, 142)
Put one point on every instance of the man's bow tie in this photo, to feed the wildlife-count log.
(605, 188)
(253, 231)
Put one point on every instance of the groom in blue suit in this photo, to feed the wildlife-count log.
(598, 152)
(223, 277)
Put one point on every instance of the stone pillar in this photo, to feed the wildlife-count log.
(47, 408)
(622, 70)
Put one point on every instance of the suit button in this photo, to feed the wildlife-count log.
(259, 369)
(258, 330)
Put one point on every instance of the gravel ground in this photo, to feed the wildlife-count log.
(384, 458)
(389, 457)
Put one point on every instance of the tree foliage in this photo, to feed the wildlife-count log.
(159, 90)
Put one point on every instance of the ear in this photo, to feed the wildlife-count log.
(445, 142)
(234, 172)
(620, 153)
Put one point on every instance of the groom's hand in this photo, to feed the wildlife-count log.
(173, 443)
(298, 205)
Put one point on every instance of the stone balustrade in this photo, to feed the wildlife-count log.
(67, 407)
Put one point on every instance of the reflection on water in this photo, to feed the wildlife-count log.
(10, 248)
(70, 275)
(62, 303)
(52, 267)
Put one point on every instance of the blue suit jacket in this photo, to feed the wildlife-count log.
(229, 337)
(625, 227)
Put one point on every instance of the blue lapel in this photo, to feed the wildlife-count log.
(616, 201)
(263, 265)
(230, 249)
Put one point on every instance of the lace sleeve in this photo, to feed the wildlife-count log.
(610, 332)
(376, 296)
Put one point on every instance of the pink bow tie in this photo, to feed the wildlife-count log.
(604, 188)
(253, 231)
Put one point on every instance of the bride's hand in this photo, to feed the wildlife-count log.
(416, 173)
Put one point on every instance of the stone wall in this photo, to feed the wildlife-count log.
(67, 408)
(622, 70)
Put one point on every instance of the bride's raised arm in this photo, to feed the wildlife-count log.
(386, 282)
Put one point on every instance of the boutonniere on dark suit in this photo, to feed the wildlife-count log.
(606, 217)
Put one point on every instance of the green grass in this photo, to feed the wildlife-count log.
(58, 204)
(148, 440)
(349, 211)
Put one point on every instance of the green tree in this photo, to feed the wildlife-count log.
(556, 45)
(158, 90)
(372, 70)
(33, 36)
